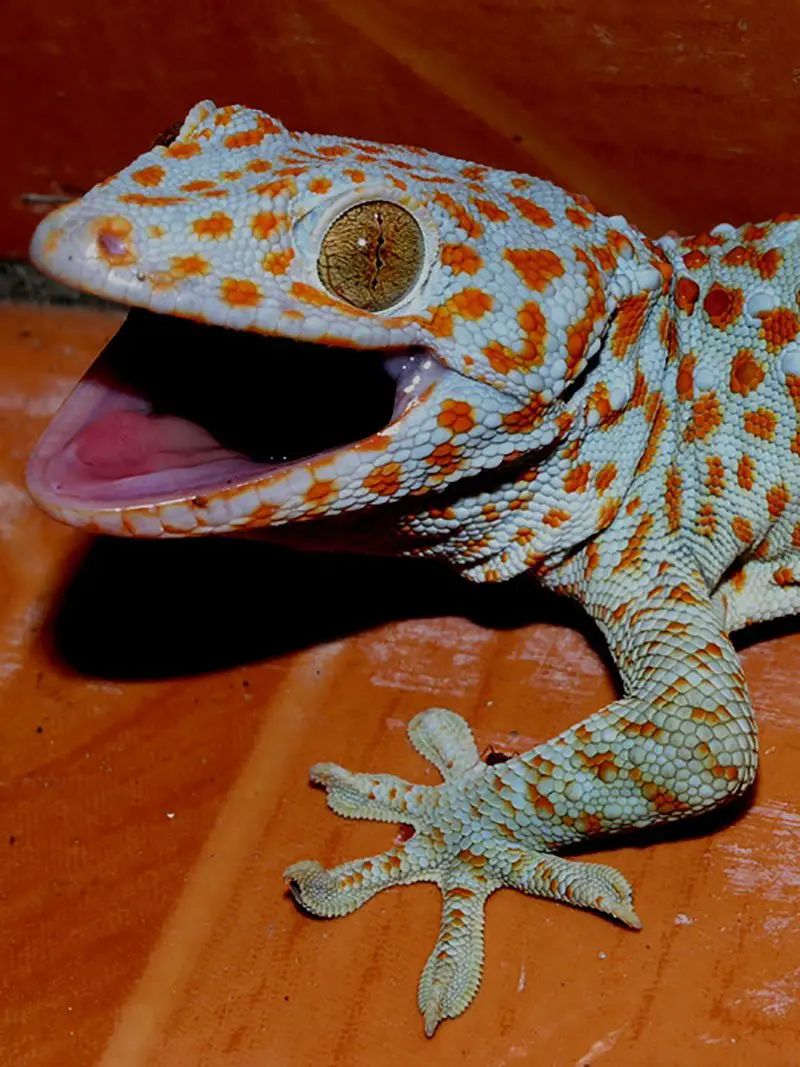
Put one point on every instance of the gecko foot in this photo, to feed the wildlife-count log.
(467, 840)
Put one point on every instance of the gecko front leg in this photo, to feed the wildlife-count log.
(682, 740)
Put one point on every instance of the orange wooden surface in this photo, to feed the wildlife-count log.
(161, 704)
(679, 114)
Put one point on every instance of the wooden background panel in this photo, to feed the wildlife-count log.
(679, 114)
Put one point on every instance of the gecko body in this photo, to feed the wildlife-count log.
(614, 415)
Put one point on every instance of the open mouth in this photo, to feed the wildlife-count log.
(174, 410)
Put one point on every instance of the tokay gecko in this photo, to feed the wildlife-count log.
(485, 370)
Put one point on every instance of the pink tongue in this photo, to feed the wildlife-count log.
(123, 444)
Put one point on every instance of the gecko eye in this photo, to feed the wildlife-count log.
(372, 255)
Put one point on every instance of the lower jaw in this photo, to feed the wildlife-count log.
(234, 409)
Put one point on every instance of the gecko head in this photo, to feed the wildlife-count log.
(328, 324)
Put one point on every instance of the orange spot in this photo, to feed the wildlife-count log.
(742, 529)
(769, 263)
(457, 416)
(332, 150)
(277, 262)
(576, 479)
(471, 304)
(736, 256)
(461, 259)
(472, 858)
(536, 267)
(658, 419)
(309, 294)
(531, 211)
(745, 474)
(578, 218)
(490, 210)
(183, 150)
(746, 373)
(784, 576)
(706, 418)
(684, 383)
(532, 320)
(275, 188)
(384, 480)
(197, 186)
(778, 497)
(471, 226)
(674, 497)
(722, 305)
(265, 223)
(446, 457)
(555, 517)
(258, 166)
(703, 240)
(246, 138)
(214, 226)
(631, 555)
(525, 419)
(437, 179)
(707, 521)
(755, 233)
(319, 185)
(149, 176)
(189, 266)
(761, 424)
(605, 477)
(715, 475)
(592, 558)
(628, 324)
(224, 115)
(578, 333)
(240, 292)
(321, 493)
(294, 172)
(778, 328)
(686, 293)
(356, 176)
(695, 259)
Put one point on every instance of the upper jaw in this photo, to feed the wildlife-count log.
(86, 247)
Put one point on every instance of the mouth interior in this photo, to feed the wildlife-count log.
(173, 408)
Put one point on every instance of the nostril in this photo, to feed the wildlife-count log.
(112, 245)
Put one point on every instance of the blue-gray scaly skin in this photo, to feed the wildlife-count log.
(630, 406)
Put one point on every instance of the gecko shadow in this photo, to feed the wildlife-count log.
(137, 610)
